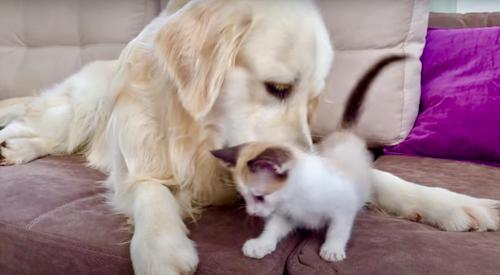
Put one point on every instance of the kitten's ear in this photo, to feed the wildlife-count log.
(227, 156)
(274, 160)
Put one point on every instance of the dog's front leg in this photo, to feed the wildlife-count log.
(140, 174)
(160, 244)
(440, 207)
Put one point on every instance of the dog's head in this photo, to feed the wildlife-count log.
(252, 68)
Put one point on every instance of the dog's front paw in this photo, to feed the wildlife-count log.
(332, 252)
(163, 254)
(257, 248)
(14, 152)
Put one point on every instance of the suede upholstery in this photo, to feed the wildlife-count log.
(53, 220)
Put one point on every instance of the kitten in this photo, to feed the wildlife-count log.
(294, 188)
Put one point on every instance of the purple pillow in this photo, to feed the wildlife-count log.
(459, 115)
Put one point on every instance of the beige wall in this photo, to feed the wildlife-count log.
(477, 5)
(443, 5)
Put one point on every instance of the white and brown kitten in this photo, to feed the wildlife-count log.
(294, 188)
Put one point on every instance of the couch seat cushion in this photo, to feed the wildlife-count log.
(381, 244)
(220, 234)
(54, 220)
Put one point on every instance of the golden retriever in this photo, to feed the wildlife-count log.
(202, 75)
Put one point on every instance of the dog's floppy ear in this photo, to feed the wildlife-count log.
(198, 45)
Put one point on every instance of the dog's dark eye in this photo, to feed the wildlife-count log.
(259, 198)
(279, 90)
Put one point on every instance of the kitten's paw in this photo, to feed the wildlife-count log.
(256, 248)
(332, 253)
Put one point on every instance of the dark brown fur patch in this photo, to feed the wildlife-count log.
(229, 156)
(256, 156)
(268, 160)
(255, 164)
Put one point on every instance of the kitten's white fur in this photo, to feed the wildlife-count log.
(327, 188)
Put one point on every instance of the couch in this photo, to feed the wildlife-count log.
(54, 219)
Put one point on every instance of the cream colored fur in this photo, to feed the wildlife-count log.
(61, 120)
(192, 81)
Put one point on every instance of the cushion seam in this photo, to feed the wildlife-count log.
(37, 219)
(295, 254)
(405, 67)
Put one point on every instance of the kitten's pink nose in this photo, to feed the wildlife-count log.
(251, 211)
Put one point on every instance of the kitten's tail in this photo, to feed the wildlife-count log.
(357, 97)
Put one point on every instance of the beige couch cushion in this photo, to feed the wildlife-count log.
(363, 32)
(43, 41)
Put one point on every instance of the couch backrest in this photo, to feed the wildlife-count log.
(464, 20)
(44, 41)
(363, 33)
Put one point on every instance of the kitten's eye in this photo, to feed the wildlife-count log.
(259, 198)
(279, 90)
